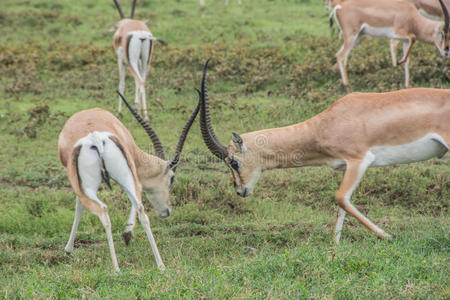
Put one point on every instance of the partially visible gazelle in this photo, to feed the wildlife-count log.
(359, 131)
(133, 43)
(94, 146)
(398, 20)
(429, 8)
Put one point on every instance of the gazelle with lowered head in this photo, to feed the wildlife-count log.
(94, 146)
(429, 8)
(133, 43)
(398, 20)
(358, 131)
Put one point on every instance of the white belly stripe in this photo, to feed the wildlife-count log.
(431, 145)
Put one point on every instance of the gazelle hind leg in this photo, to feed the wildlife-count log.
(118, 169)
(144, 64)
(121, 77)
(342, 56)
(354, 171)
(144, 103)
(89, 165)
(78, 213)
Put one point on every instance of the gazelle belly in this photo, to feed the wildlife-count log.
(431, 145)
(379, 31)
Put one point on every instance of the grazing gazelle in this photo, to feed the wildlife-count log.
(398, 20)
(133, 43)
(429, 8)
(359, 131)
(94, 146)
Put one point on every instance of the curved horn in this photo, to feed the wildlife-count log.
(132, 9)
(150, 132)
(210, 139)
(174, 162)
(119, 9)
(446, 18)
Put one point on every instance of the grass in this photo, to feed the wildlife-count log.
(272, 66)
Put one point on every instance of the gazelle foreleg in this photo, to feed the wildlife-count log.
(353, 173)
(393, 47)
(78, 213)
(408, 45)
(406, 48)
(128, 233)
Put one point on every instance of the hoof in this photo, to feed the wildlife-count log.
(119, 115)
(127, 237)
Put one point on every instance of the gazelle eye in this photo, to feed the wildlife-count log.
(235, 165)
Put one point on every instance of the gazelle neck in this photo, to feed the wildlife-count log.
(286, 147)
(425, 32)
(147, 165)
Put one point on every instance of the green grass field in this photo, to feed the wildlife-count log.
(272, 65)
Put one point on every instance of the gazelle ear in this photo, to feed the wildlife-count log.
(238, 142)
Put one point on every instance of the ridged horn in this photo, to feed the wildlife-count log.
(148, 129)
(210, 139)
(446, 18)
(132, 9)
(174, 161)
(122, 16)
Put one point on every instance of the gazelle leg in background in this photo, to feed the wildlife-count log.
(350, 40)
(339, 222)
(353, 173)
(406, 48)
(121, 77)
(393, 47)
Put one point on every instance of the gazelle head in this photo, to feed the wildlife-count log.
(241, 156)
(158, 180)
(442, 33)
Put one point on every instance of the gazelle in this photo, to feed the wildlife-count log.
(133, 43)
(94, 146)
(428, 8)
(203, 3)
(398, 20)
(358, 131)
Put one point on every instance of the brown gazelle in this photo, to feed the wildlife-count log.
(429, 8)
(133, 43)
(359, 131)
(94, 146)
(398, 20)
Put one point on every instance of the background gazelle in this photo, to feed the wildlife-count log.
(358, 131)
(133, 43)
(386, 18)
(94, 146)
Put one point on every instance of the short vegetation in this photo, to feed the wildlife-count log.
(272, 65)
